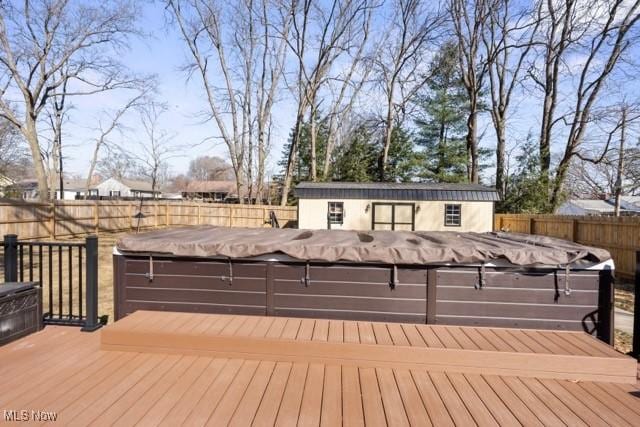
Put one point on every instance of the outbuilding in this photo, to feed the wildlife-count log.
(395, 206)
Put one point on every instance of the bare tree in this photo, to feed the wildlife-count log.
(39, 40)
(236, 42)
(15, 161)
(156, 150)
(600, 31)
(608, 170)
(349, 85)
(275, 25)
(118, 163)
(508, 39)
(206, 168)
(470, 20)
(107, 125)
(320, 34)
(401, 63)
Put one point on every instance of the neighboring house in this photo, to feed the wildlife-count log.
(395, 206)
(209, 191)
(73, 189)
(599, 206)
(123, 188)
(26, 189)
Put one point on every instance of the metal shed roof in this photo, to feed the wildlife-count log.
(395, 191)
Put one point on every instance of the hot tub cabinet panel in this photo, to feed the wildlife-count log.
(450, 295)
(528, 298)
(191, 285)
(350, 291)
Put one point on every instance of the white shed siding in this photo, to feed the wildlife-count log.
(476, 216)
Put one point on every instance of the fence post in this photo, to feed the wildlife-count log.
(91, 323)
(52, 221)
(96, 217)
(10, 258)
(635, 349)
(574, 230)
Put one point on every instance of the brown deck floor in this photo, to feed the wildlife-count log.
(500, 351)
(65, 371)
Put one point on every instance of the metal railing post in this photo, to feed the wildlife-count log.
(10, 258)
(91, 323)
(635, 349)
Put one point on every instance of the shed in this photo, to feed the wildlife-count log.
(395, 206)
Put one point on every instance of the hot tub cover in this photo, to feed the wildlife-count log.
(391, 247)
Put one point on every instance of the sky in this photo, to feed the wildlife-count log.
(163, 53)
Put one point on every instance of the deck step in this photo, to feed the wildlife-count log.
(490, 351)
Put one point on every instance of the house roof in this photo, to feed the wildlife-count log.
(137, 185)
(396, 191)
(598, 206)
(75, 184)
(209, 187)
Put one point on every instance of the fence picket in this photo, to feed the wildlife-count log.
(618, 235)
(32, 220)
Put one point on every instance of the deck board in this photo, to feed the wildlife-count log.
(458, 349)
(87, 385)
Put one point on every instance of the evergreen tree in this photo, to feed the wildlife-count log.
(442, 121)
(403, 161)
(525, 189)
(356, 159)
(302, 170)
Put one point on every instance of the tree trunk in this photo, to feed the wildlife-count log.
(545, 141)
(31, 135)
(500, 159)
(620, 171)
(472, 146)
(314, 142)
(387, 137)
(292, 158)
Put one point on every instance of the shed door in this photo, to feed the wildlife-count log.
(393, 216)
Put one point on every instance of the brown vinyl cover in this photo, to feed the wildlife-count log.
(390, 247)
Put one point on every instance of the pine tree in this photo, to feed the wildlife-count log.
(403, 161)
(525, 187)
(356, 159)
(442, 121)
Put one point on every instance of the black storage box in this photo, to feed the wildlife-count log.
(20, 310)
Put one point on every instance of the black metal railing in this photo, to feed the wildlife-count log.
(273, 219)
(635, 347)
(67, 272)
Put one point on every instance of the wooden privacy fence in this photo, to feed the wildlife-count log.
(619, 235)
(82, 217)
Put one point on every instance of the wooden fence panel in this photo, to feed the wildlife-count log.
(82, 217)
(620, 236)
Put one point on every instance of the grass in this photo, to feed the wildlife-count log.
(622, 341)
(624, 297)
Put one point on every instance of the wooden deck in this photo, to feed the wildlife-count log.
(531, 353)
(71, 373)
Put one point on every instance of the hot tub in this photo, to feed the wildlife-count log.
(478, 279)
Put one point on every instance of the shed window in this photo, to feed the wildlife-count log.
(114, 193)
(452, 215)
(336, 212)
